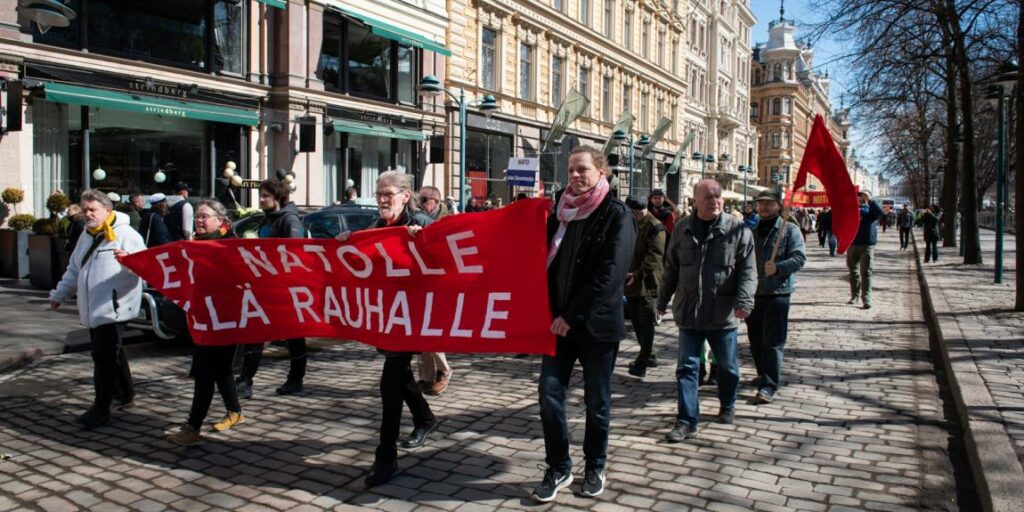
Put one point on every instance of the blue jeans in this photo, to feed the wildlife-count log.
(598, 362)
(723, 345)
(767, 327)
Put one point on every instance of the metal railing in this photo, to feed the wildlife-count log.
(988, 220)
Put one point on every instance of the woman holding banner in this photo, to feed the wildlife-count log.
(398, 207)
(211, 365)
(591, 238)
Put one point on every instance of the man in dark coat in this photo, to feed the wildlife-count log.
(643, 282)
(591, 237)
(281, 220)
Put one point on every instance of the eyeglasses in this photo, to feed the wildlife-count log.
(424, 199)
(385, 195)
(204, 218)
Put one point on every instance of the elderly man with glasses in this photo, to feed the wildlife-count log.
(431, 204)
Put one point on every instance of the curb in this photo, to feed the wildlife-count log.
(996, 470)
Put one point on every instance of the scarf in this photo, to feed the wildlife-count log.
(572, 207)
(213, 235)
(107, 228)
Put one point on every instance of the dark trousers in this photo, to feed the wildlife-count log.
(212, 368)
(822, 235)
(397, 386)
(691, 344)
(253, 354)
(905, 234)
(931, 250)
(642, 311)
(111, 375)
(767, 327)
(598, 362)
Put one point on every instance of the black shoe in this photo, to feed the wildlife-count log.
(867, 305)
(93, 418)
(593, 483)
(652, 362)
(244, 389)
(289, 388)
(553, 482)
(764, 396)
(755, 382)
(681, 432)
(727, 416)
(419, 435)
(122, 402)
(380, 474)
(638, 369)
(853, 300)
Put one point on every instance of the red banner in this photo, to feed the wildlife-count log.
(467, 283)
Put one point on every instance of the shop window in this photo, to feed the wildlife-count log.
(487, 156)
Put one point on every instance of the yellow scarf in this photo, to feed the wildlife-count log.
(107, 227)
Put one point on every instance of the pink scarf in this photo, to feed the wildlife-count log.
(572, 207)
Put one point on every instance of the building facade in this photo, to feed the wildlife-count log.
(133, 97)
(651, 59)
(786, 95)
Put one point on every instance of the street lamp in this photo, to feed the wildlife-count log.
(697, 155)
(431, 86)
(1002, 82)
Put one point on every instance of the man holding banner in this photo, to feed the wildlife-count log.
(591, 238)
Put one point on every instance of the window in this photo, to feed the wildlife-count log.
(228, 36)
(703, 39)
(661, 49)
(645, 113)
(693, 33)
(557, 4)
(776, 140)
(786, 140)
(778, 72)
(585, 12)
(659, 111)
(627, 92)
(608, 18)
(525, 71)
(675, 57)
(584, 86)
(645, 39)
(355, 60)
(675, 130)
(556, 81)
(627, 30)
(753, 110)
(787, 106)
(489, 61)
(776, 107)
(606, 99)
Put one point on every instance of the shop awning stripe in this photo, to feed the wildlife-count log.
(376, 130)
(65, 93)
(396, 33)
(280, 4)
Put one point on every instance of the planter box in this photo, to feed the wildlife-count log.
(47, 260)
(13, 253)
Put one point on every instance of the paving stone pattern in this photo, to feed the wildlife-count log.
(858, 426)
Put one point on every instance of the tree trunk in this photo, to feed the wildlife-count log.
(969, 219)
(949, 181)
(1018, 179)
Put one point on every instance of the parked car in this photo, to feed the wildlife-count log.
(167, 321)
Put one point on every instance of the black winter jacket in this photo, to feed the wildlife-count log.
(284, 223)
(597, 283)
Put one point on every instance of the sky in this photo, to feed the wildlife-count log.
(827, 56)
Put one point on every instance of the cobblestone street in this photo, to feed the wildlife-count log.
(859, 425)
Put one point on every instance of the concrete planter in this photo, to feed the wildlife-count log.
(13, 253)
(47, 260)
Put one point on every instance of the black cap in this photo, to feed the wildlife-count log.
(181, 185)
(635, 203)
(768, 195)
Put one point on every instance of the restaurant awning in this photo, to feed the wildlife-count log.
(280, 4)
(130, 102)
(396, 33)
(376, 130)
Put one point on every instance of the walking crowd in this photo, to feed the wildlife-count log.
(607, 260)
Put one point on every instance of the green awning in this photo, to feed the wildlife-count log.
(376, 130)
(399, 34)
(64, 93)
(280, 4)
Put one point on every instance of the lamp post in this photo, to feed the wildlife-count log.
(744, 169)
(1002, 83)
(431, 86)
(623, 140)
(643, 142)
(697, 155)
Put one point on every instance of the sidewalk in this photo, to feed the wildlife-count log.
(30, 330)
(982, 340)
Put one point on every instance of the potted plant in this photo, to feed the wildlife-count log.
(47, 259)
(14, 246)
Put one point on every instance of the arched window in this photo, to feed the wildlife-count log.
(778, 72)
(776, 107)
(776, 142)
(787, 106)
(789, 71)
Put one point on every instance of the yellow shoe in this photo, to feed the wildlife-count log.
(233, 418)
(187, 436)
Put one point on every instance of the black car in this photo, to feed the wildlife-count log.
(167, 321)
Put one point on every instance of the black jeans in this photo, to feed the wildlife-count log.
(253, 354)
(212, 367)
(905, 234)
(822, 235)
(642, 311)
(397, 385)
(767, 327)
(598, 362)
(111, 375)
(931, 250)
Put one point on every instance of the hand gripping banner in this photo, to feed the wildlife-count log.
(466, 283)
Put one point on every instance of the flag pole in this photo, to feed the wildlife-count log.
(787, 212)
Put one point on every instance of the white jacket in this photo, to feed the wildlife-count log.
(107, 291)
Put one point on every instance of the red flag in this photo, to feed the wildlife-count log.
(822, 159)
(467, 283)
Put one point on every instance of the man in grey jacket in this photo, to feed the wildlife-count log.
(768, 324)
(709, 267)
(109, 296)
